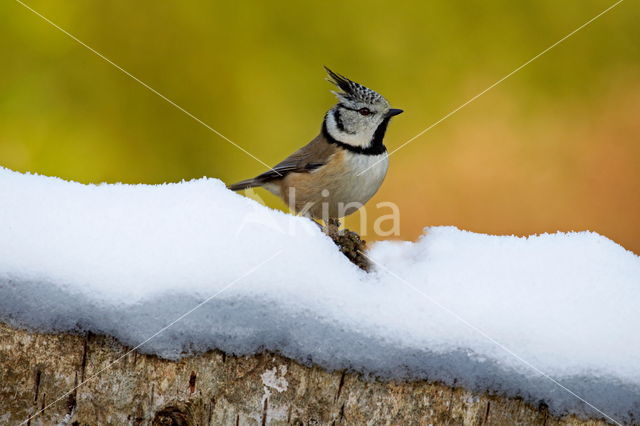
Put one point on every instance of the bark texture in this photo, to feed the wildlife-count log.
(128, 388)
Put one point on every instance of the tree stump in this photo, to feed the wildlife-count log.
(94, 380)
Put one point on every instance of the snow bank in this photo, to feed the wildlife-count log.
(477, 310)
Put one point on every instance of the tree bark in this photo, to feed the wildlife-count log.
(93, 380)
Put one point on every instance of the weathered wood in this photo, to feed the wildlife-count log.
(216, 389)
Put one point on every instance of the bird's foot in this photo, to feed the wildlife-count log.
(349, 243)
(332, 228)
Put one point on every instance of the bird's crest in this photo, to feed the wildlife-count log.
(353, 91)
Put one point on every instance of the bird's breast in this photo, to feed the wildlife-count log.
(337, 189)
(365, 174)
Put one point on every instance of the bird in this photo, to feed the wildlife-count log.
(342, 167)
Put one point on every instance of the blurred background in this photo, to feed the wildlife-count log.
(554, 147)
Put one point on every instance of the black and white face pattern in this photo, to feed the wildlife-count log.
(360, 118)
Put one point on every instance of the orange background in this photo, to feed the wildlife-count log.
(554, 147)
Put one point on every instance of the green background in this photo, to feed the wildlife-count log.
(556, 146)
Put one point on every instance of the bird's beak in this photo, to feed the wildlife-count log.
(394, 111)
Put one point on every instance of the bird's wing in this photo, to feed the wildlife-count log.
(313, 155)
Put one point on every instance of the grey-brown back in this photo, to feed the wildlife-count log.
(310, 157)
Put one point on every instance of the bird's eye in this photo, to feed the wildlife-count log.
(364, 111)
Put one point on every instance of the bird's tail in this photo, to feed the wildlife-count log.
(245, 184)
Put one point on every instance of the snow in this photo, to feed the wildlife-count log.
(505, 314)
(271, 380)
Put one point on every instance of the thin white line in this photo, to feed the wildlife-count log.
(246, 274)
(478, 330)
(496, 83)
(145, 85)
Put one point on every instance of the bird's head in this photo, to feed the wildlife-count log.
(360, 117)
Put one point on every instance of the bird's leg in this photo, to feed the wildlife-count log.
(333, 227)
(349, 243)
(334, 222)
